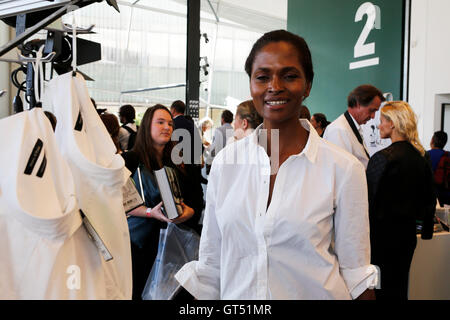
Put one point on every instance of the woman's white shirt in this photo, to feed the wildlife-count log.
(240, 134)
(312, 242)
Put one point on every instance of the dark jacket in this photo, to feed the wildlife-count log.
(180, 122)
(401, 192)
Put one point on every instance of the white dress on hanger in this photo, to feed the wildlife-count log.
(99, 174)
(45, 252)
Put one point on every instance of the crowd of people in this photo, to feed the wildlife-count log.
(310, 214)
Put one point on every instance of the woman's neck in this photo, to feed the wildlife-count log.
(290, 137)
(159, 153)
(395, 137)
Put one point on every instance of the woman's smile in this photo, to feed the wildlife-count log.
(276, 104)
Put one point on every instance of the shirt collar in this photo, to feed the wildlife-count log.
(311, 147)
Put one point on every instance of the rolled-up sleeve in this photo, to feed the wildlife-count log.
(202, 278)
(352, 237)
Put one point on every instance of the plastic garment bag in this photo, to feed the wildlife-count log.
(177, 246)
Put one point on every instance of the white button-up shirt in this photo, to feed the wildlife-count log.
(312, 242)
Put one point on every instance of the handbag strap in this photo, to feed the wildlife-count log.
(140, 183)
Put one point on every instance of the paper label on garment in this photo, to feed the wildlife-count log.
(34, 157)
(95, 237)
(131, 197)
(79, 123)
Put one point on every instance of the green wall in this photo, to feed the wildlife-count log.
(331, 32)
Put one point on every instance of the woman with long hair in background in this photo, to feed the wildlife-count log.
(401, 195)
(151, 151)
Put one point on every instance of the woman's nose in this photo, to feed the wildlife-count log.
(275, 85)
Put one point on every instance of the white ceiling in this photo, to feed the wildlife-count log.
(257, 15)
(273, 8)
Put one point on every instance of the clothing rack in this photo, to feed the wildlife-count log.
(45, 12)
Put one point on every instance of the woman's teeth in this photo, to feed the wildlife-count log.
(276, 103)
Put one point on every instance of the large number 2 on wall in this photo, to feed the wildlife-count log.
(362, 49)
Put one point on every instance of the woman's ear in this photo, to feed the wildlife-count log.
(307, 91)
(244, 124)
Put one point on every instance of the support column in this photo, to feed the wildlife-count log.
(193, 59)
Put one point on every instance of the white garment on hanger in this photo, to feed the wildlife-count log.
(99, 174)
(45, 251)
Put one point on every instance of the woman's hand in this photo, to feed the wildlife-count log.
(154, 213)
(188, 212)
(157, 214)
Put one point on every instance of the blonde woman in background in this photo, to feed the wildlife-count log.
(205, 124)
(245, 121)
(401, 195)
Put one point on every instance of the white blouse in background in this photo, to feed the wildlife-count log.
(312, 242)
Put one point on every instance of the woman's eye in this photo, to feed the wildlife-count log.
(262, 78)
(291, 76)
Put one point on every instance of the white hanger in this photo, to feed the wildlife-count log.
(69, 28)
(47, 58)
(74, 45)
(39, 74)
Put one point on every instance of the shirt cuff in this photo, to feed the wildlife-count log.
(360, 279)
(201, 287)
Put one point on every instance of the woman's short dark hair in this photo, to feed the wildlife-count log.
(298, 42)
(112, 125)
(321, 119)
(144, 142)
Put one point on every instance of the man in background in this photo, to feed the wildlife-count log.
(180, 121)
(128, 130)
(193, 164)
(221, 135)
(440, 162)
(437, 144)
(346, 132)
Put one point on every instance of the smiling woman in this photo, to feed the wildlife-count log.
(292, 221)
(152, 151)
